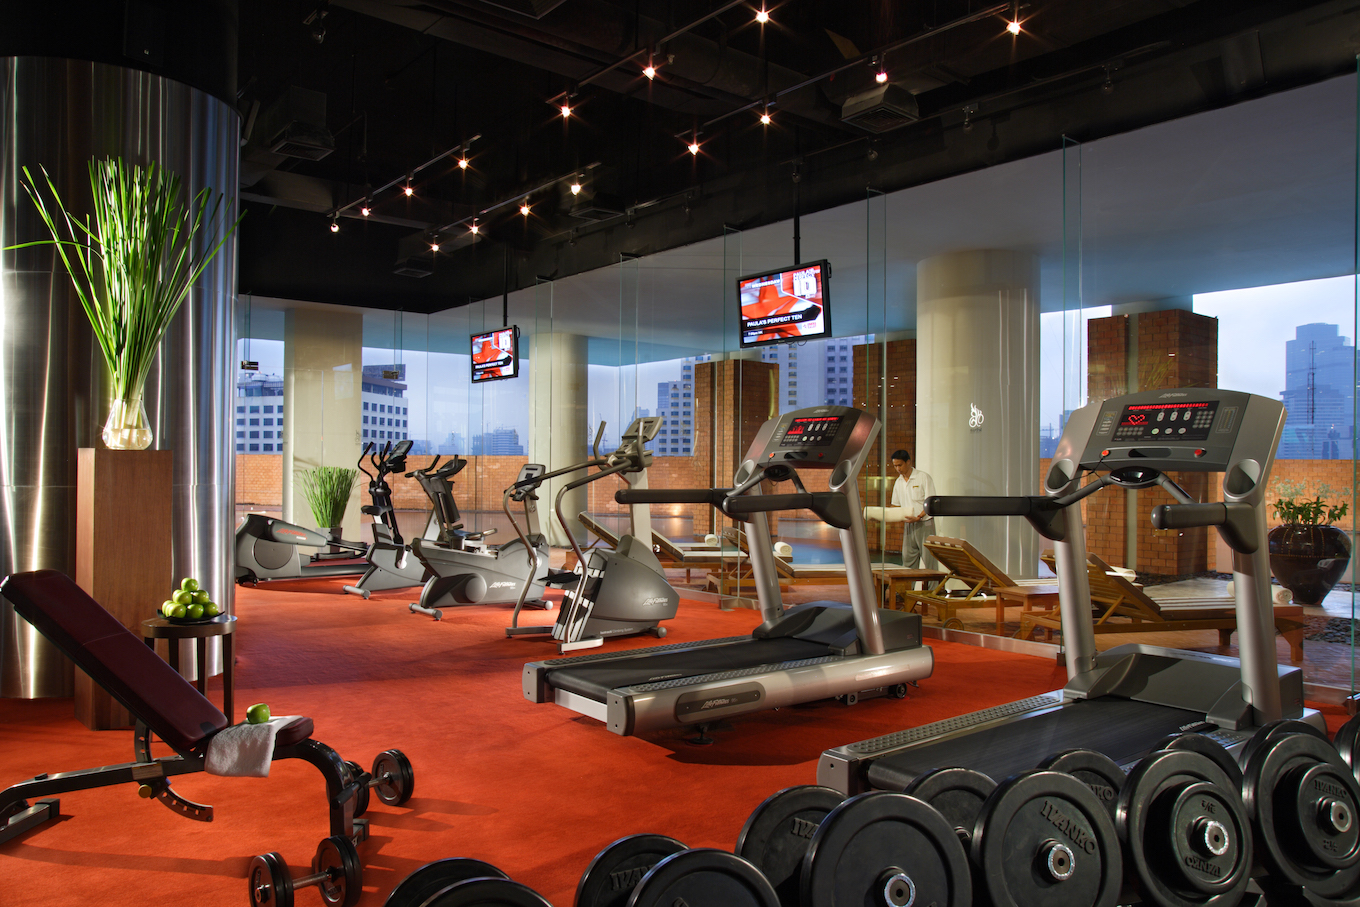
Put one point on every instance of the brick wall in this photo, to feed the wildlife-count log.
(899, 417)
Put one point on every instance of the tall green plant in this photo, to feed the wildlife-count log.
(1293, 505)
(133, 262)
(327, 490)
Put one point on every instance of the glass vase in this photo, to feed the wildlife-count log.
(127, 427)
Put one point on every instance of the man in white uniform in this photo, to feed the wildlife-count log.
(909, 493)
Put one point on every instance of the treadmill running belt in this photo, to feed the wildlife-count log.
(1122, 729)
(594, 681)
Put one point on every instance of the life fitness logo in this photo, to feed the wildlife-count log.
(974, 418)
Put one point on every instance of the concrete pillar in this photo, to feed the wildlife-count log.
(322, 398)
(557, 424)
(977, 409)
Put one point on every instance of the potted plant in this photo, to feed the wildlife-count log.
(327, 490)
(132, 264)
(1307, 553)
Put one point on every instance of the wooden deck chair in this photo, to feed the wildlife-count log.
(1119, 606)
(670, 554)
(733, 575)
(974, 576)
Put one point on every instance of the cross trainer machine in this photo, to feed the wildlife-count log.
(615, 593)
(1121, 702)
(808, 652)
(390, 563)
(462, 570)
(267, 548)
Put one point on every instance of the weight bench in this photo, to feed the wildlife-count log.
(166, 705)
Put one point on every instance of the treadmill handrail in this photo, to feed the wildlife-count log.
(713, 496)
(1045, 514)
(1236, 521)
(832, 507)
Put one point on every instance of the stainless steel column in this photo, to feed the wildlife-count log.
(59, 114)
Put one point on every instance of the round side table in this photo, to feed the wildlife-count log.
(223, 625)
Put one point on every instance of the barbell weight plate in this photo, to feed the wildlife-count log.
(1274, 730)
(399, 779)
(776, 834)
(356, 776)
(1094, 769)
(887, 849)
(1043, 839)
(958, 793)
(488, 892)
(702, 877)
(1185, 831)
(1302, 800)
(614, 873)
(1199, 743)
(425, 882)
(271, 885)
(1347, 743)
(338, 857)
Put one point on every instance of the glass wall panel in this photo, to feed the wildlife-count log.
(1209, 252)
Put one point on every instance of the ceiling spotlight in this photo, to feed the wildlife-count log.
(524, 208)
(335, 224)
(434, 243)
(566, 111)
(408, 191)
(650, 71)
(765, 117)
(365, 209)
(693, 148)
(463, 162)
(475, 230)
(1013, 26)
(576, 187)
(880, 77)
(762, 17)
(317, 20)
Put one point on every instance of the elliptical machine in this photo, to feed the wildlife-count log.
(390, 563)
(268, 548)
(617, 593)
(462, 569)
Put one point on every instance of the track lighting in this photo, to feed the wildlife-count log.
(524, 208)
(880, 77)
(463, 162)
(576, 187)
(566, 111)
(765, 117)
(693, 146)
(762, 16)
(474, 229)
(1013, 26)
(335, 224)
(650, 71)
(434, 243)
(408, 191)
(365, 209)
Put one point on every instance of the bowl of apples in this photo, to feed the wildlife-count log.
(189, 604)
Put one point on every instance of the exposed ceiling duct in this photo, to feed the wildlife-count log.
(881, 108)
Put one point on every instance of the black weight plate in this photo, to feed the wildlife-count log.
(1303, 800)
(397, 778)
(958, 793)
(428, 880)
(776, 834)
(1347, 742)
(1274, 730)
(1198, 743)
(338, 857)
(356, 775)
(885, 848)
(616, 870)
(270, 883)
(487, 893)
(1044, 840)
(701, 877)
(1186, 833)
(1096, 770)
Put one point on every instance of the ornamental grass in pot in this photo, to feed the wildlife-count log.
(1308, 554)
(327, 490)
(132, 262)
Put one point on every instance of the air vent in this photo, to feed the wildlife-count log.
(598, 207)
(881, 109)
(300, 140)
(413, 267)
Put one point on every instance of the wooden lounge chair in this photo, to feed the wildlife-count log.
(672, 555)
(167, 706)
(975, 581)
(1119, 606)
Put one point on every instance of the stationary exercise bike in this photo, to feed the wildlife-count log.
(617, 593)
(390, 563)
(462, 568)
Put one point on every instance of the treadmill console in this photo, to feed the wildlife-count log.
(1189, 429)
(819, 437)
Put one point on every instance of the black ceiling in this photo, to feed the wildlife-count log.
(406, 83)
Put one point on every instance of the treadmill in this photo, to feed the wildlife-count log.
(802, 654)
(1123, 701)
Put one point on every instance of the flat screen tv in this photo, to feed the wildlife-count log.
(785, 304)
(495, 354)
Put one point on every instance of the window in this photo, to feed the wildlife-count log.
(269, 434)
(365, 433)
(240, 409)
(240, 421)
(365, 420)
(254, 409)
(269, 409)
(253, 434)
(280, 413)
(365, 406)
(254, 448)
(254, 421)
(240, 448)
(268, 421)
(270, 447)
(240, 434)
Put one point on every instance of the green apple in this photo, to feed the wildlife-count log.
(194, 612)
(210, 609)
(257, 713)
(189, 584)
(181, 597)
(179, 611)
(166, 607)
(201, 597)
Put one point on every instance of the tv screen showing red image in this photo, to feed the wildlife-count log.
(495, 355)
(785, 304)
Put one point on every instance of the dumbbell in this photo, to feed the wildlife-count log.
(879, 848)
(657, 871)
(336, 873)
(392, 777)
(460, 882)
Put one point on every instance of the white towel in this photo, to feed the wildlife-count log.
(244, 750)
(885, 514)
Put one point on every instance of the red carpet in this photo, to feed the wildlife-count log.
(534, 789)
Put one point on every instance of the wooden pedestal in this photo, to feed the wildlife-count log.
(123, 516)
